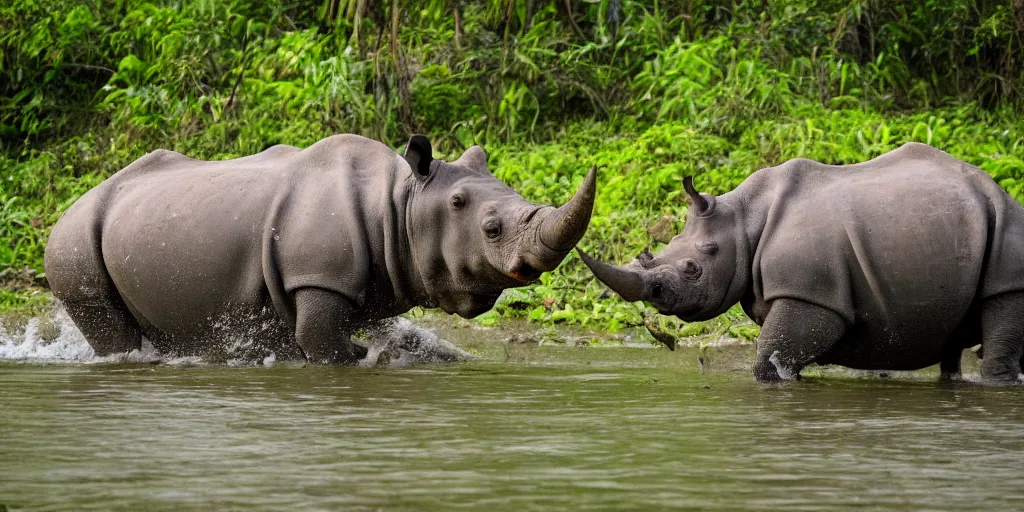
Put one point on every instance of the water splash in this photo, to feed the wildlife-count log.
(30, 344)
(783, 371)
(54, 338)
(399, 343)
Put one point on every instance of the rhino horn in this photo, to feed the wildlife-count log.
(699, 203)
(563, 228)
(629, 284)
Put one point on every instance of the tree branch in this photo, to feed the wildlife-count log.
(87, 66)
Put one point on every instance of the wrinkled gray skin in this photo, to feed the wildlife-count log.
(896, 263)
(290, 251)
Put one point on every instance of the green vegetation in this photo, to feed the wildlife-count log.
(648, 91)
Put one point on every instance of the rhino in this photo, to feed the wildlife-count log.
(895, 263)
(291, 251)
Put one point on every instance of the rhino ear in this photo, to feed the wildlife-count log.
(474, 159)
(419, 155)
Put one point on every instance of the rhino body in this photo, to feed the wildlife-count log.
(290, 251)
(896, 263)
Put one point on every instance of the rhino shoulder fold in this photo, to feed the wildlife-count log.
(348, 142)
(161, 154)
(159, 158)
(920, 148)
(909, 152)
(153, 161)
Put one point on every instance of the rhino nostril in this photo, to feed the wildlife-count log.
(656, 291)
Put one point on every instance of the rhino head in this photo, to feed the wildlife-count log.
(471, 236)
(698, 276)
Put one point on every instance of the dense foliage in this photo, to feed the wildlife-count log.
(648, 91)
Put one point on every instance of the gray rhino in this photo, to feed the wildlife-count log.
(899, 263)
(291, 251)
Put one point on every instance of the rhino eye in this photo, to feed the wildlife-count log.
(691, 269)
(458, 201)
(492, 228)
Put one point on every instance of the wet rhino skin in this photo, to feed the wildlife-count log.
(896, 263)
(290, 251)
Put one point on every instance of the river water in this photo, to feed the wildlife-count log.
(522, 428)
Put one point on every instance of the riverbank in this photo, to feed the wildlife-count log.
(43, 331)
(51, 338)
(45, 335)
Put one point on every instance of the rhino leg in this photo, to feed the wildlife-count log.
(965, 336)
(1002, 331)
(107, 326)
(794, 334)
(80, 281)
(323, 327)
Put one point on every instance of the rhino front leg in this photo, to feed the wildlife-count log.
(323, 327)
(1002, 337)
(795, 333)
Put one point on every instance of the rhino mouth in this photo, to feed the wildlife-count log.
(685, 313)
(525, 273)
(476, 305)
(688, 305)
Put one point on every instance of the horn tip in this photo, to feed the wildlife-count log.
(590, 181)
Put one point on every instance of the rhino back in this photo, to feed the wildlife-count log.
(180, 240)
(900, 246)
(189, 242)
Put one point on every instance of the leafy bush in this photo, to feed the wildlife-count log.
(647, 91)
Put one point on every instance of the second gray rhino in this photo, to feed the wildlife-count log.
(294, 250)
(896, 263)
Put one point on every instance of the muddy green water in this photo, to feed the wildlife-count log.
(526, 428)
